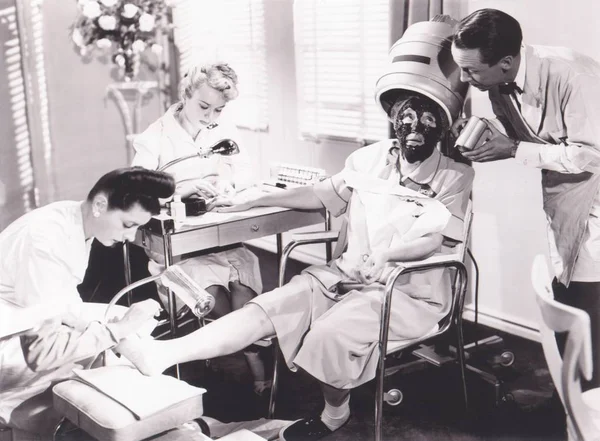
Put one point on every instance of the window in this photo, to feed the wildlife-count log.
(232, 31)
(25, 162)
(341, 49)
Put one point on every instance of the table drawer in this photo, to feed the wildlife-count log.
(248, 229)
(194, 240)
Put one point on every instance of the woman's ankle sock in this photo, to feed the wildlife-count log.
(334, 417)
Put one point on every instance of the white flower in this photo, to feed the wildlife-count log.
(91, 9)
(146, 22)
(157, 49)
(138, 46)
(109, 3)
(104, 43)
(107, 22)
(129, 10)
(120, 60)
(77, 37)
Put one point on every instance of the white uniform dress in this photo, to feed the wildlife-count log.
(44, 256)
(165, 140)
(333, 335)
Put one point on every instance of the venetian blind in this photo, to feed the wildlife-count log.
(18, 110)
(26, 156)
(232, 31)
(341, 48)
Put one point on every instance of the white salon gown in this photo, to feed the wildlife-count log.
(43, 257)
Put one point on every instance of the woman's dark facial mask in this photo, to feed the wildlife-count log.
(418, 127)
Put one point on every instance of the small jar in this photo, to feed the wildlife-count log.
(177, 209)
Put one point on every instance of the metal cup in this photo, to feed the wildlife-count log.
(473, 134)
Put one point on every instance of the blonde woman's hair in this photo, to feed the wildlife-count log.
(219, 76)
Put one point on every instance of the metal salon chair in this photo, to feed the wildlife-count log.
(453, 260)
(98, 414)
(582, 408)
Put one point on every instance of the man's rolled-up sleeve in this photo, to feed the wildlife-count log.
(576, 150)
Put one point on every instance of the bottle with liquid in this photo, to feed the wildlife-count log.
(177, 209)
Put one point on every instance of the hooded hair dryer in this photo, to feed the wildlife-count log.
(421, 62)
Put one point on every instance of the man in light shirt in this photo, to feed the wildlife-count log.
(546, 98)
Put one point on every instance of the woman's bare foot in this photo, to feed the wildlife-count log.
(145, 354)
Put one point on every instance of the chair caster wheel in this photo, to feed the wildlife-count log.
(507, 358)
(507, 398)
(393, 397)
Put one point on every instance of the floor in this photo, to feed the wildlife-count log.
(521, 406)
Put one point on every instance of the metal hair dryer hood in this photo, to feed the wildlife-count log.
(421, 62)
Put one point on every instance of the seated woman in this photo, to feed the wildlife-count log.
(44, 257)
(401, 197)
(189, 127)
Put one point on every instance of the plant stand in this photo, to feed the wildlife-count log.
(129, 96)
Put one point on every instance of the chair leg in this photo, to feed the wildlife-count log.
(379, 397)
(461, 361)
(460, 344)
(275, 383)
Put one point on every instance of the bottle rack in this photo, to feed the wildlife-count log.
(293, 174)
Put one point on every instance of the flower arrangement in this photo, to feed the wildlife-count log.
(124, 28)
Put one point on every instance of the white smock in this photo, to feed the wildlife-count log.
(44, 256)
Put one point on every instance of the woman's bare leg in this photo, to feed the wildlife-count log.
(222, 301)
(224, 336)
(240, 295)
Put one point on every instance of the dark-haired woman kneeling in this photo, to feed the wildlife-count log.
(43, 257)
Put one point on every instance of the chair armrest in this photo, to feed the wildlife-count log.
(303, 239)
(437, 261)
(315, 237)
(434, 261)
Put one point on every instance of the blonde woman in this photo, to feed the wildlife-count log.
(193, 125)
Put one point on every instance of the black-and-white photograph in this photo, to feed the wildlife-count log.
(299, 220)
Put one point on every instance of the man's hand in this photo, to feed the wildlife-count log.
(458, 125)
(497, 147)
(136, 317)
(200, 187)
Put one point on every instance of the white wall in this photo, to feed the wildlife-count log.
(87, 130)
(509, 223)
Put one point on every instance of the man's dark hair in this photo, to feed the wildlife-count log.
(495, 33)
(125, 187)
